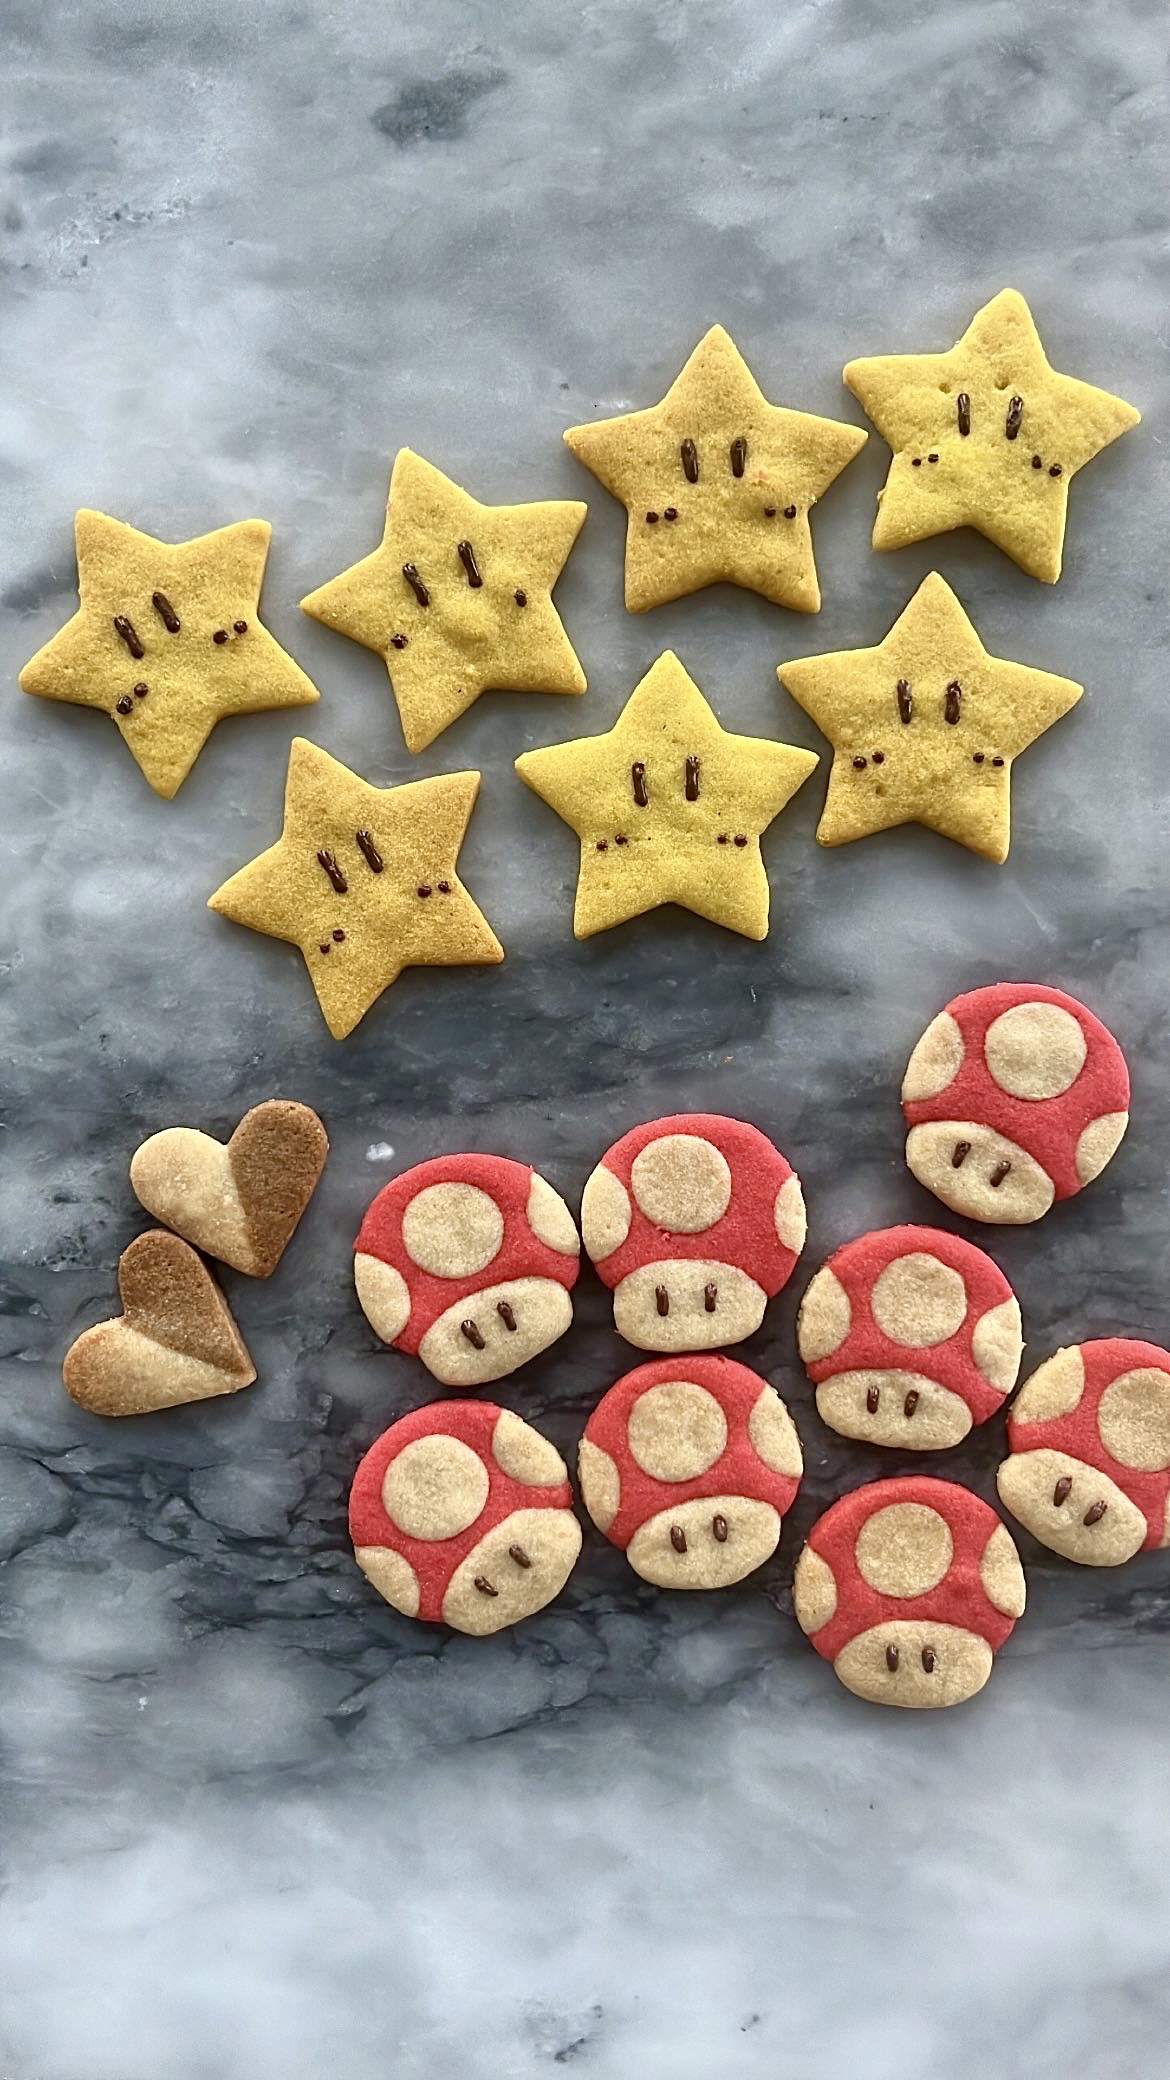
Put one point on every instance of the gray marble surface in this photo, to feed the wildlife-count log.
(253, 1823)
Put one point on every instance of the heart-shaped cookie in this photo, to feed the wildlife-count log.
(240, 1203)
(174, 1341)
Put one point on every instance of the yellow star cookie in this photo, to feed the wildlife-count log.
(363, 880)
(987, 436)
(167, 640)
(669, 807)
(925, 726)
(458, 598)
(718, 483)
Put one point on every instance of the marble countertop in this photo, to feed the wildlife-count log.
(255, 1824)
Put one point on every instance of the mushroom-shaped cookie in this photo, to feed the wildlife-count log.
(1089, 1443)
(1015, 1096)
(689, 1465)
(694, 1222)
(462, 1514)
(908, 1587)
(468, 1261)
(911, 1337)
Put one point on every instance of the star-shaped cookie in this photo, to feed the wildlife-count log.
(925, 726)
(718, 483)
(167, 640)
(363, 880)
(987, 436)
(458, 598)
(669, 807)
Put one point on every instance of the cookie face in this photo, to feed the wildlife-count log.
(240, 1203)
(167, 641)
(669, 807)
(694, 1222)
(718, 483)
(690, 1465)
(911, 1337)
(925, 726)
(175, 1340)
(363, 881)
(469, 1262)
(461, 1514)
(1015, 1096)
(908, 1587)
(986, 436)
(1089, 1443)
(458, 598)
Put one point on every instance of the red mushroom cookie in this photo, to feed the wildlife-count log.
(1089, 1443)
(694, 1222)
(908, 1587)
(689, 1465)
(911, 1337)
(461, 1513)
(468, 1261)
(1015, 1096)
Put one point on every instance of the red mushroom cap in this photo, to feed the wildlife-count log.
(1101, 1407)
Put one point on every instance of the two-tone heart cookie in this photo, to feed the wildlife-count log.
(241, 1202)
(175, 1340)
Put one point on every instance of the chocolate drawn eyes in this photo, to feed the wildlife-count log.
(642, 793)
(470, 561)
(952, 701)
(369, 852)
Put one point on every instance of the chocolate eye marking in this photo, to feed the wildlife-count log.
(692, 781)
(1037, 462)
(997, 761)
(621, 839)
(638, 776)
(1056, 470)
(954, 701)
(719, 1529)
(917, 462)
(444, 888)
(328, 861)
(424, 888)
(670, 513)
(241, 627)
(963, 411)
(1094, 1513)
(125, 628)
(892, 1659)
(651, 519)
(125, 704)
(467, 559)
(484, 1586)
(873, 1400)
(911, 1402)
(339, 935)
(399, 641)
(603, 844)
(932, 458)
(879, 758)
(141, 690)
(662, 1300)
(962, 1151)
(928, 1660)
(1015, 413)
(473, 1334)
(860, 764)
(410, 573)
(369, 851)
(521, 598)
(1000, 1171)
(1062, 1490)
(905, 701)
(690, 461)
(977, 757)
(722, 839)
(738, 455)
(710, 1296)
(678, 1538)
(769, 512)
(740, 838)
(790, 512)
(518, 1554)
(220, 636)
(506, 1315)
(167, 614)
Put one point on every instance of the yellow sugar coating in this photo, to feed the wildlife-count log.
(718, 483)
(669, 807)
(167, 686)
(985, 436)
(363, 880)
(925, 725)
(502, 631)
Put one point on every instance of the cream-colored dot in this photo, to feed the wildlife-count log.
(997, 1345)
(814, 1591)
(935, 1062)
(1054, 1389)
(1133, 1417)
(1035, 1050)
(918, 1300)
(601, 1485)
(383, 1294)
(825, 1317)
(436, 1487)
(676, 1430)
(1099, 1143)
(773, 1434)
(525, 1454)
(790, 1216)
(681, 1183)
(452, 1230)
(392, 1577)
(904, 1549)
(550, 1220)
(606, 1213)
(1002, 1575)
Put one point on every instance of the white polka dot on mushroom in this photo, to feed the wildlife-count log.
(1035, 1050)
(452, 1230)
(918, 1300)
(682, 1183)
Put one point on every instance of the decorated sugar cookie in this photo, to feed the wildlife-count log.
(909, 1587)
(1089, 1443)
(690, 1465)
(911, 1336)
(1015, 1096)
(469, 1262)
(694, 1222)
(240, 1202)
(175, 1340)
(462, 1514)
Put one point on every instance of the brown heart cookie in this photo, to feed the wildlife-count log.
(174, 1341)
(241, 1203)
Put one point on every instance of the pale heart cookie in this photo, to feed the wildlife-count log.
(168, 640)
(363, 881)
(174, 1341)
(458, 598)
(669, 808)
(985, 436)
(1089, 1439)
(911, 1336)
(718, 483)
(240, 1203)
(925, 726)
(694, 1222)
(468, 1262)
(690, 1466)
(909, 1587)
(462, 1515)
(1015, 1096)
